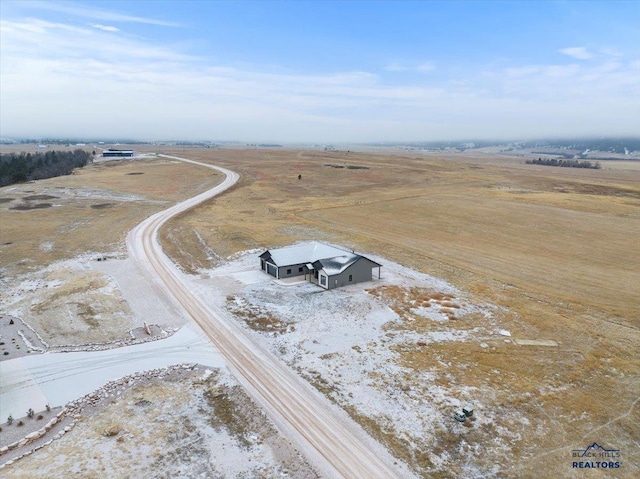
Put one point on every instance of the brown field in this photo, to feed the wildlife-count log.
(557, 248)
(91, 210)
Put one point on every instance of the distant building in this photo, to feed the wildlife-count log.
(324, 265)
(111, 152)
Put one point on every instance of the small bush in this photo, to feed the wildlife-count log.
(40, 416)
(20, 423)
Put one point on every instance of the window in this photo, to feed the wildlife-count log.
(323, 280)
(288, 271)
(350, 278)
(300, 269)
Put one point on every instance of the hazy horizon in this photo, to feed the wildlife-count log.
(320, 72)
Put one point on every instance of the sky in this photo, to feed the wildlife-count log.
(332, 72)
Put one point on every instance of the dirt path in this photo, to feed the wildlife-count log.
(328, 437)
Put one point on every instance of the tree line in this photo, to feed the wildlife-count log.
(18, 168)
(564, 163)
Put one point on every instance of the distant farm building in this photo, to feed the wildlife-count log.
(324, 265)
(111, 152)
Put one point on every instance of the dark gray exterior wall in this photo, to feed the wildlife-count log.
(361, 271)
(295, 270)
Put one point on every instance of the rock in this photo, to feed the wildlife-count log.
(111, 431)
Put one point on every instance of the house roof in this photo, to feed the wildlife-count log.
(304, 253)
(337, 264)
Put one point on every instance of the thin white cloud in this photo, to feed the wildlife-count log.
(105, 28)
(54, 70)
(99, 14)
(579, 53)
(395, 67)
(426, 67)
(399, 67)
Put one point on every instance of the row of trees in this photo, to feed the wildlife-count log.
(564, 163)
(18, 168)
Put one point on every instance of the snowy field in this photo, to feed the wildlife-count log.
(189, 424)
(347, 343)
(57, 378)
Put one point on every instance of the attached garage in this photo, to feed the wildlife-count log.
(272, 270)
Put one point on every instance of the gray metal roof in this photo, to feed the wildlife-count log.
(338, 264)
(304, 253)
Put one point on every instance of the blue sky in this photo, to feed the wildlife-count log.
(320, 71)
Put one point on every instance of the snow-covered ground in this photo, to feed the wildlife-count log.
(80, 300)
(57, 378)
(187, 423)
(346, 341)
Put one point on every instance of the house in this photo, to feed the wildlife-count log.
(326, 266)
(112, 152)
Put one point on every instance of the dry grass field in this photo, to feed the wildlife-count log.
(556, 248)
(91, 210)
(85, 214)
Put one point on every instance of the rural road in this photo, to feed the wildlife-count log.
(333, 442)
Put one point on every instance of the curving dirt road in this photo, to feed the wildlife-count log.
(326, 435)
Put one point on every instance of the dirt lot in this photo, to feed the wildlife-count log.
(555, 248)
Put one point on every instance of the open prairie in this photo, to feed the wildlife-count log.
(88, 211)
(555, 251)
(46, 225)
(555, 248)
